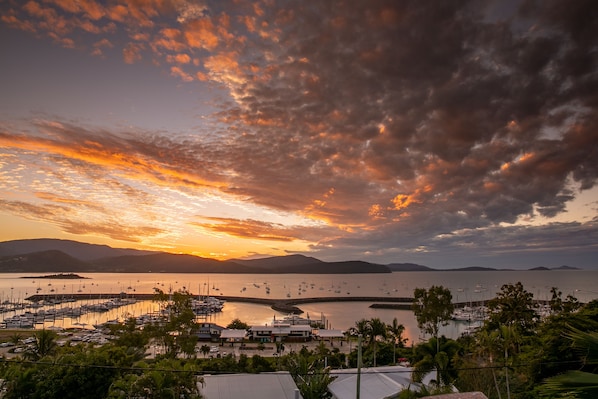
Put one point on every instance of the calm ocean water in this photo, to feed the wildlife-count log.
(465, 286)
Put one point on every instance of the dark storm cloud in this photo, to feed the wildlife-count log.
(478, 121)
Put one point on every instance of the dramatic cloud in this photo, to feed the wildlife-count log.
(383, 130)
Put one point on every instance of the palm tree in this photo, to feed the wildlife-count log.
(362, 327)
(430, 359)
(508, 341)
(205, 349)
(16, 338)
(486, 349)
(395, 332)
(377, 329)
(578, 383)
(44, 344)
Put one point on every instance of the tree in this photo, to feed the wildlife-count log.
(377, 329)
(395, 333)
(436, 354)
(168, 378)
(432, 308)
(371, 330)
(578, 383)
(237, 324)
(44, 344)
(309, 373)
(557, 305)
(205, 349)
(513, 306)
(178, 332)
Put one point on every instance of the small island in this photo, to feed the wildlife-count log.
(62, 276)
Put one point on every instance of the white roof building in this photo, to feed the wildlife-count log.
(278, 385)
(328, 334)
(375, 383)
(233, 335)
(278, 331)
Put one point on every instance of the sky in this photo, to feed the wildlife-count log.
(444, 133)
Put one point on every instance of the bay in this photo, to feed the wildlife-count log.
(465, 286)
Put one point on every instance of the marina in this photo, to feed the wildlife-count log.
(256, 299)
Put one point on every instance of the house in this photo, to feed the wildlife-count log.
(232, 335)
(279, 385)
(330, 335)
(209, 332)
(375, 383)
(281, 332)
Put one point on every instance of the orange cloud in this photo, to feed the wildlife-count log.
(131, 164)
(178, 72)
(201, 33)
(56, 198)
(248, 228)
(132, 53)
(179, 59)
(170, 39)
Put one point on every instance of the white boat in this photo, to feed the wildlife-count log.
(207, 305)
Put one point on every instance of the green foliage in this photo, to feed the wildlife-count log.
(433, 308)
(372, 331)
(395, 332)
(310, 373)
(166, 379)
(128, 335)
(578, 383)
(44, 345)
(513, 306)
(178, 333)
(436, 354)
(205, 350)
(76, 372)
(237, 324)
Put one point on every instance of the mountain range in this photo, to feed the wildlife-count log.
(57, 256)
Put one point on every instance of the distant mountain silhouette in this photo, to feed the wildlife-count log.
(275, 263)
(305, 264)
(476, 269)
(79, 250)
(43, 261)
(171, 263)
(565, 267)
(408, 267)
(51, 255)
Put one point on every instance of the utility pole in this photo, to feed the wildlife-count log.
(358, 367)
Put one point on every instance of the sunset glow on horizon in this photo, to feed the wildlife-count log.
(448, 134)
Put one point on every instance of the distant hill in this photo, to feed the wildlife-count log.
(43, 261)
(309, 265)
(276, 263)
(79, 250)
(408, 267)
(171, 263)
(49, 255)
(565, 267)
(475, 269)
(59, 256)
